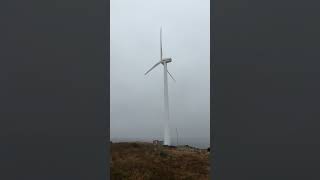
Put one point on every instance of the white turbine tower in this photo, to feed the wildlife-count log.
(164, 62)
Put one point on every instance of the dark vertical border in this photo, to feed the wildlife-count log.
(108, 153)
(212, 86)
(265, 95)
(54, 92)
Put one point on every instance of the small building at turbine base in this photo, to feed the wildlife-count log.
(157, 143)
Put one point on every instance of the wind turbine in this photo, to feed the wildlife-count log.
(164, 62)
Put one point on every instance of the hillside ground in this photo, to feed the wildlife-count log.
(143, 161)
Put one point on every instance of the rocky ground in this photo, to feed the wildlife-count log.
(143, 161)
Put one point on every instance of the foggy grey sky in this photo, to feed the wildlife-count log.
(136, 104)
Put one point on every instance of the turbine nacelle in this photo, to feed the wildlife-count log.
(166, 60)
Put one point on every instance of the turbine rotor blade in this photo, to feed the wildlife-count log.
(152, 67)
(171, 75)
(160, 43)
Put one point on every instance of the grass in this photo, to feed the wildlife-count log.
(141, 161)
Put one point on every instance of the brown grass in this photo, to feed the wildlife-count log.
(141, 161)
